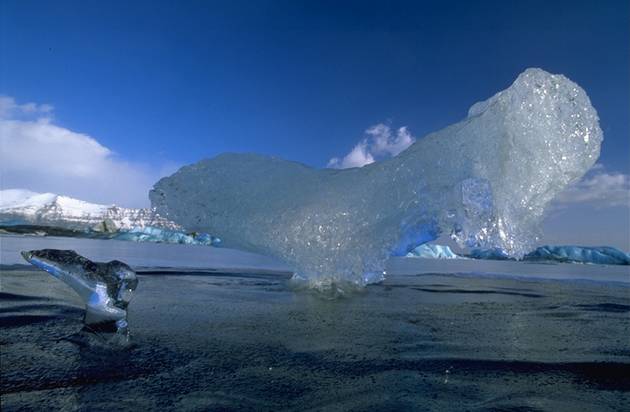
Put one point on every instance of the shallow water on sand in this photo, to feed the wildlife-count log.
(249, 341)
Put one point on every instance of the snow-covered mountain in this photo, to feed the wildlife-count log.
(18, 206)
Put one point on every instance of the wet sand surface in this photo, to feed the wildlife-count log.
(212, 341)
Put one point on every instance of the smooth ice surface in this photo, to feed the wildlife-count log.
(603, 255)
(485, 180)
(140, 255)
(432, 251)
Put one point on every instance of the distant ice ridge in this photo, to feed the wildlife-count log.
(433, 251)
(23, 207)
(157, 235)
(19, 206)
(485, 181)
(604, 255)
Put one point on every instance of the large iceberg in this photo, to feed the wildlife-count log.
(485, 181)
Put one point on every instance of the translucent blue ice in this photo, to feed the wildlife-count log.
(485, 181)
(105, 288)
(158, 235)
(494, 253)
(432, 251)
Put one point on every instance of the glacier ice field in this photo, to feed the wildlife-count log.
(485, 181)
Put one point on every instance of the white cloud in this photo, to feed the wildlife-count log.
(41, 156)
(10, 109)
(359, 156)
(599, 189)
(380, 142)
(384, 143)
(594, 211)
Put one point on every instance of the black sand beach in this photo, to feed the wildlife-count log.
(212, 341)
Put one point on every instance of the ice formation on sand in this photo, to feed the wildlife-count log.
(485, 181)
(106, 288)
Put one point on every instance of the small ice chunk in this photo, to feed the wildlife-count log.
(105, 288)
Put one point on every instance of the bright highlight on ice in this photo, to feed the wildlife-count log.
(485, 181)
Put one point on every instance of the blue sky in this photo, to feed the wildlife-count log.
(193, 79)
(162, 84)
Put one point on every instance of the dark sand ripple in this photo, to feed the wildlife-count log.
(224, 341)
